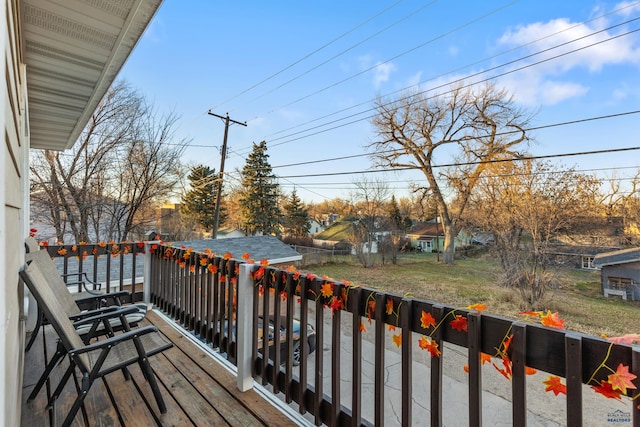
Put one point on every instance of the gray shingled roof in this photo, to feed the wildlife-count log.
(617, 257)
(258, 247)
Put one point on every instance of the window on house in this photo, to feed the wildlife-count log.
(587, 262)
(619, 282)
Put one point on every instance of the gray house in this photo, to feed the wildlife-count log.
(620, 273)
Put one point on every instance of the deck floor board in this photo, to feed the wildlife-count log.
(197, 390)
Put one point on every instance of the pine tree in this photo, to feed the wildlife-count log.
(296, 217)
(260, 190)
(199, 202)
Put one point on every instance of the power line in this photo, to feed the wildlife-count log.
(626, 6)
(369, 117)
(549, 156)
(552, 125)
(310, 54)
(341, 54)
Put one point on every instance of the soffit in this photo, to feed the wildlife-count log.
(73, 50)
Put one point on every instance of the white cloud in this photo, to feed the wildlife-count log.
(382, 72)
(563, 76)
(628, 8)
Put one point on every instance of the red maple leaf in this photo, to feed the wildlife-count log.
(311, 276)
(336, 304)
(606, 389)
(459, 323)
(427, 320)
(430, 345)
(554, 384)
(625, 339)
(621, 379)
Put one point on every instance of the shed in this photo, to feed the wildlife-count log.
(620, 273)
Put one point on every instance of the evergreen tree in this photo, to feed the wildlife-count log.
(296, 221)
(259, 199)
(199, 202)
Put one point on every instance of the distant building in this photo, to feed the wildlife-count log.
(620, 273)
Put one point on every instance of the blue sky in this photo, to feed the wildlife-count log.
(304, 76)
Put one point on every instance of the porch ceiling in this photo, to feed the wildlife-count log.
(73, 50)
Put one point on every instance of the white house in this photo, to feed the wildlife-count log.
(60, 57)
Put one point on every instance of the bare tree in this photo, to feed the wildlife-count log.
(472, 127)
(119, 164)
(526, 205)
(368, 199)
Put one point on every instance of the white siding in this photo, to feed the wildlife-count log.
(13, 158)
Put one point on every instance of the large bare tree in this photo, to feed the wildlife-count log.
(125, 159)
(466, 127)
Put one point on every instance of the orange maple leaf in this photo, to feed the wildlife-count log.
(192, 268)
(484, 358)
(311, 276)
(477, 307)
(291, 269)
(427, 320)
(62, 251)
(459, 323)
(621, 379)
(397, 339)
(264, 261)
(212, 268)
(246, 256)
(552, 320)
(363, 327)
(466, 367)
(606, 389)
(430, 345)
(530, 371)
(227, 255)
(554, 384)
(391, 328)
(204, 261)
(389, 306)
(326, 290)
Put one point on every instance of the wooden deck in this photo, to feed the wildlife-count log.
(198, 391)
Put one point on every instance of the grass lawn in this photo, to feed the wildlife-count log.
(473, 280)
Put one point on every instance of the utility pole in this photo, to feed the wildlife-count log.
(223, 154)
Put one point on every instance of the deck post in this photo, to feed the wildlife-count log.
(146, 282)
(244, 324)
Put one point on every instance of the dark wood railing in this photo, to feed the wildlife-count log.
(115, 266)
(200, 291)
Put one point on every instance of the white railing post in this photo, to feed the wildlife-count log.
(244, 327)
(146, 281)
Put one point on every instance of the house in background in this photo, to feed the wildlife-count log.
(620, 273)
(429, 237)
(229, 233)
(59, 59)
(315, 227)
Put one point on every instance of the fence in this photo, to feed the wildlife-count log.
(211, 297)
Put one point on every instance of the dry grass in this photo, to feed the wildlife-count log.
(577, 297)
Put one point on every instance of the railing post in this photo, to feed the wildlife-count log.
(146, 282)
(244, 329)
